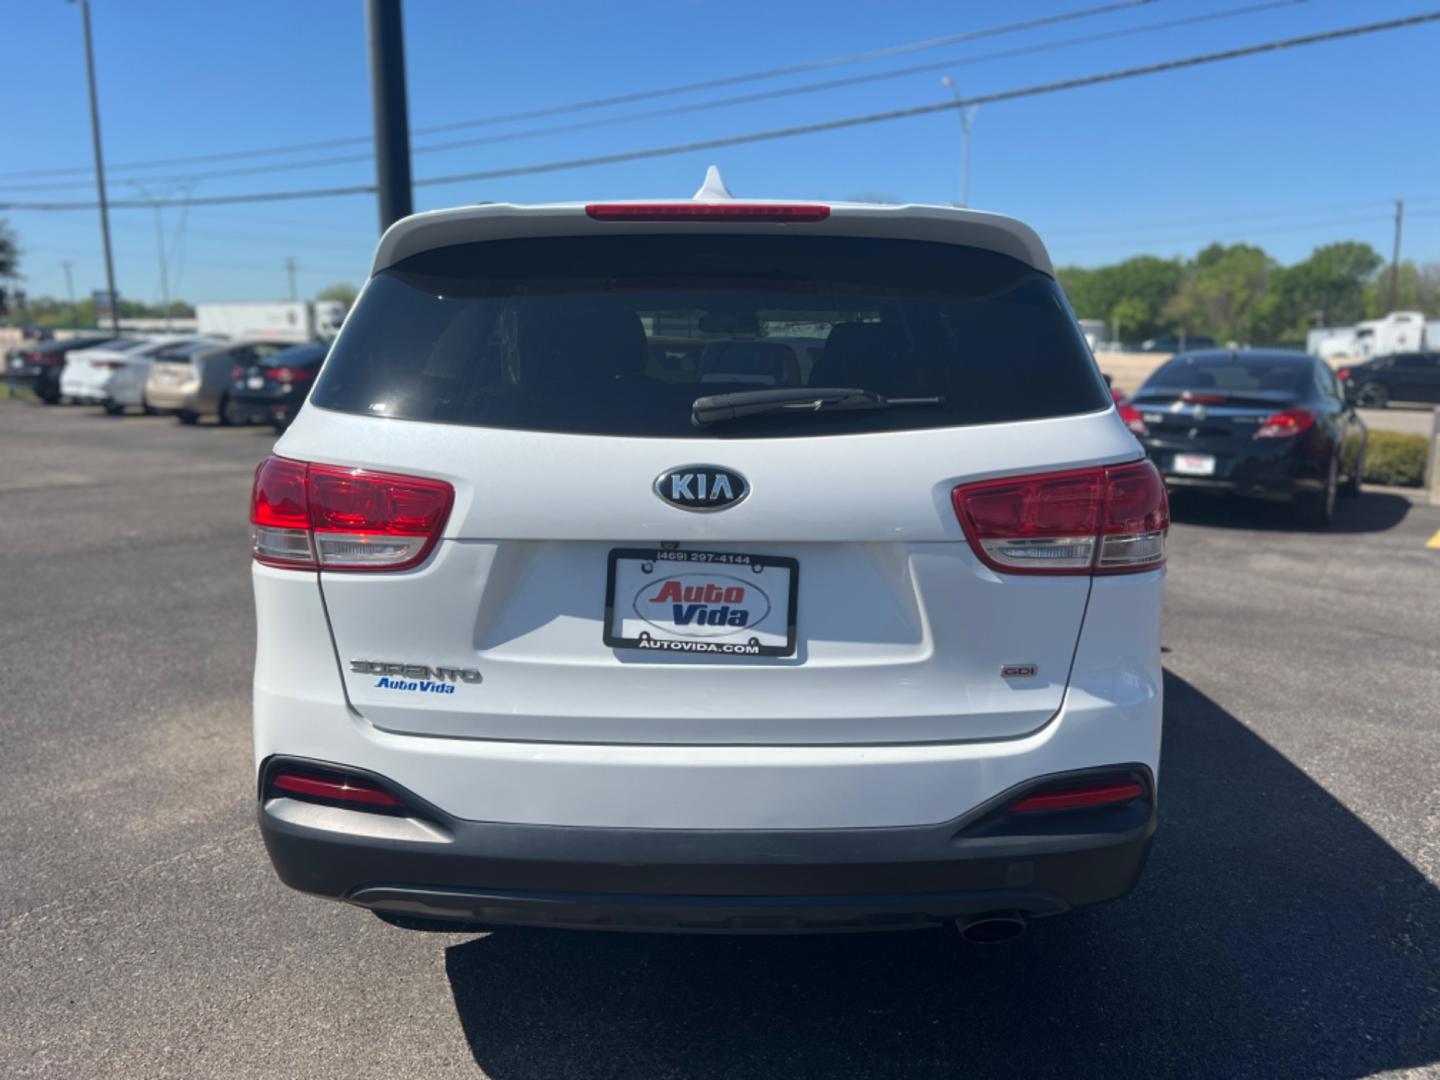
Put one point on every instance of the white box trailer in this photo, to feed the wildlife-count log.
(1400, 331)
(293, 320)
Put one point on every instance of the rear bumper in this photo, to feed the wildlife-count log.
(437, 867)
(1273, 469)
(172, 399)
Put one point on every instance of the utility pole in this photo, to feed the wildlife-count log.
(69, 287)
(290, 269)
(100, 170)
(1395, 257)
(967, 120)
(164, 270)
(387, 94)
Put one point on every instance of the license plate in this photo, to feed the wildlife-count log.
(1194, 464)
(706, 602)
(255, 382)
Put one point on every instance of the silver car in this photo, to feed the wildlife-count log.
(193, 382)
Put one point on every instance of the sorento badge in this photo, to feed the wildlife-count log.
(701, 488)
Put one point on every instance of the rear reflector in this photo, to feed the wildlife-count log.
(338, 790)
(308, 517)
(789, 212)
(1285, 424)
(1109, 520)
(1075, 798)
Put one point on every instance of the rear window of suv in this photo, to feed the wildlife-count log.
(601, 336)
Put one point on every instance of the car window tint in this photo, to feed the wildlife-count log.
(600, 335)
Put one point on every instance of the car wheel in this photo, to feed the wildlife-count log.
(226, 418)
(113, 409)
(185, 416)
(1351, 487)
(1316, 509)
(50, 399)
(1372, 395)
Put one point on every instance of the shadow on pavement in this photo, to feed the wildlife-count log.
(1273, 934)
(1368, 512)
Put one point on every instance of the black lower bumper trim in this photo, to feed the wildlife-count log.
(439, 867)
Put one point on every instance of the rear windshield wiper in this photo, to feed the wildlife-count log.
(720, 407)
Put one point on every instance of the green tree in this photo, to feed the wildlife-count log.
(9, 251)
(342, 291)
(1224, 293)
(1139, 288)
(1417, 289)
(1327, 289)
(9, 262)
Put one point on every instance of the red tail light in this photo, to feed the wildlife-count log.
(1101, 521)
(728, 211)
(1075, 798)
(1202, 398)
(1285, 424)
(1343, 374)
(1133, 420)
(291, 374)
(309, 517)
(337, 789)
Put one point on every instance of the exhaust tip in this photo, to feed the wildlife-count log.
(992, 928)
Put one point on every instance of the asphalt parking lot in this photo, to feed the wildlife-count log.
(1288, 923)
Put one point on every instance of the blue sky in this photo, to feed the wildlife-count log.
(1288, 150)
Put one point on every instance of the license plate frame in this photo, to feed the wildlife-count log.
(1193, 465)
(717, 644)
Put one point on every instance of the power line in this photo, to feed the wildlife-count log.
(640, 95)
(674, 110)
(792, 132)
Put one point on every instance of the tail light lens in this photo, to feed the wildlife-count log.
(291, 374)
(307, 517)
(1343, 374)
(1133, 420)
(1110, 520)
(727, 211)
(1285, 424)
(237, 373)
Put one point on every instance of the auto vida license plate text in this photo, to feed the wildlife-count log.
(718, 603)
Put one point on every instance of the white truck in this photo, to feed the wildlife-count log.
(292, 320)
(1400, 331)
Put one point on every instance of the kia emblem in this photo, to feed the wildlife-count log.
(701, 488)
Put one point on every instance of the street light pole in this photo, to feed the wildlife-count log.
(967, 120)
(100, 170)
(392, 125)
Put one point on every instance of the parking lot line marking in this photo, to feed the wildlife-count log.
(1434, 541)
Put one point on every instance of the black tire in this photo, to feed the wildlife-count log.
(1351, 487)
(279, 426)
(226, 420)
(112, 409)
(1372, 395)
(185, 416)
(51, 399)
(1316, 509)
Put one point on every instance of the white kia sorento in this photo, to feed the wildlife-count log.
(557, 629)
